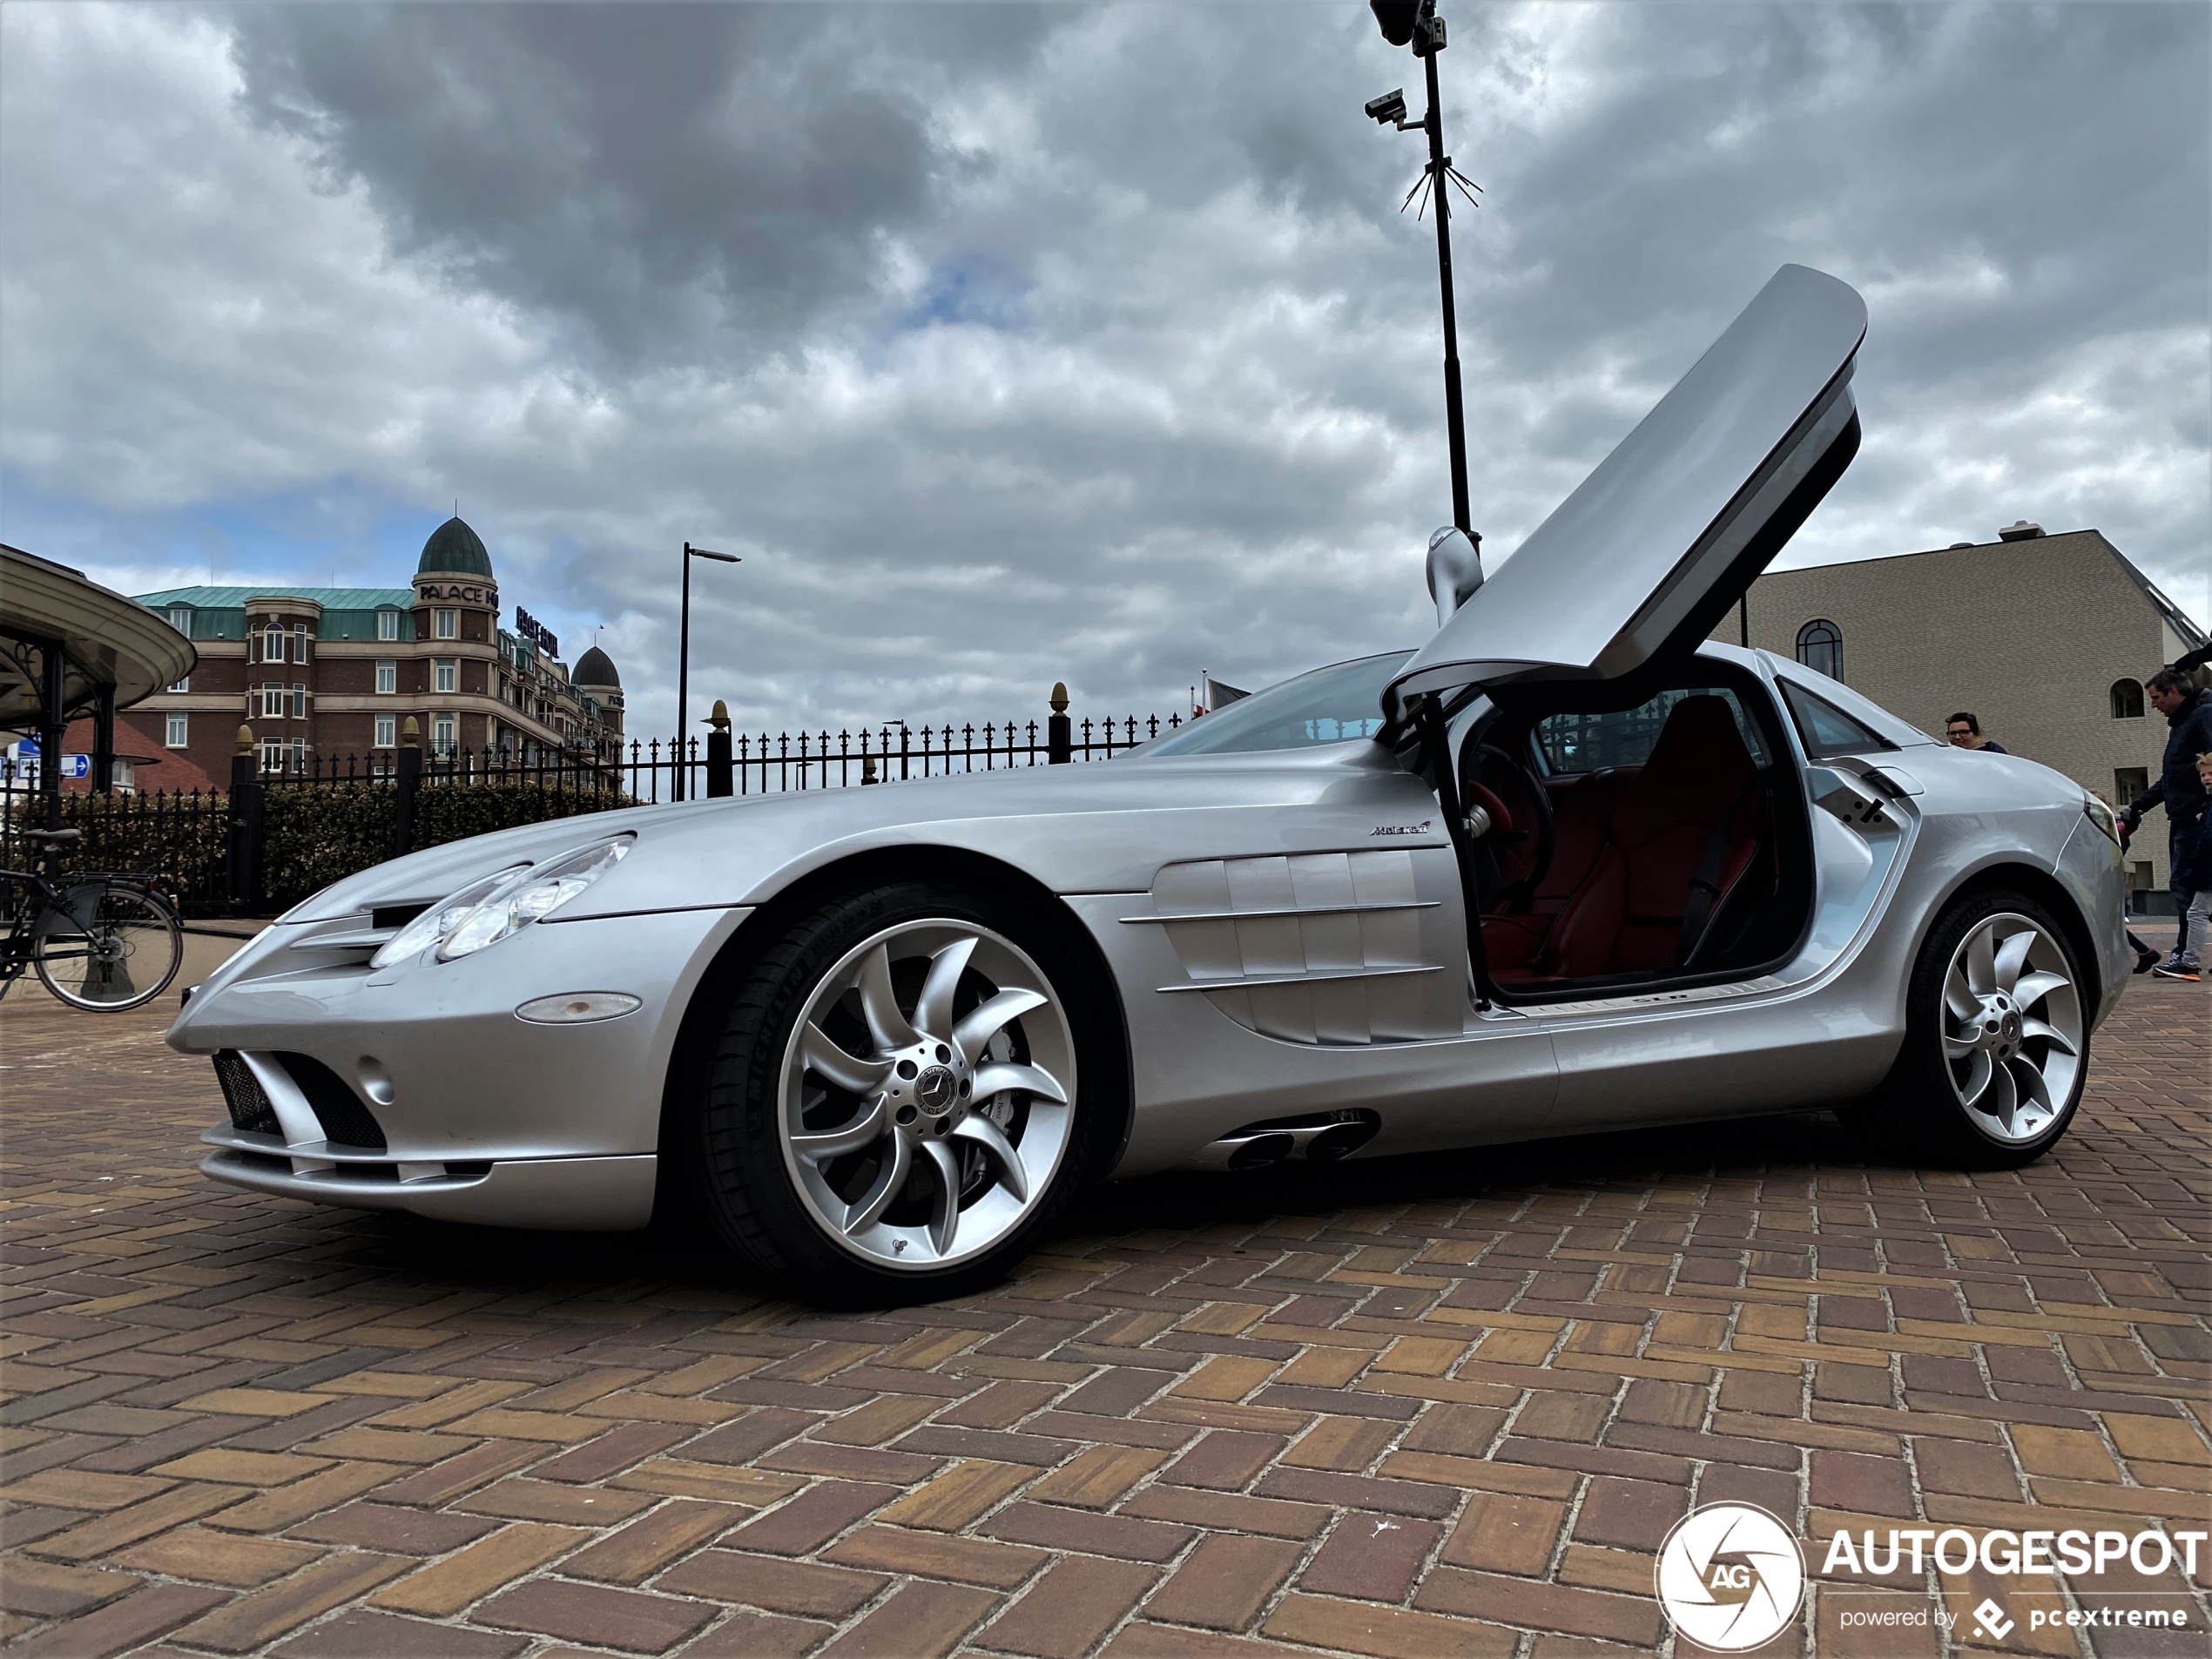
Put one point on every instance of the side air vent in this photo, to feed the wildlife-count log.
(251, 1111)
(345, 1120)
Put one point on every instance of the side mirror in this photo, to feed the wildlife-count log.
(1454, 569)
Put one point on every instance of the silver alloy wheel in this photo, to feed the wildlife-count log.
(2012, 1028)
(921, 1128)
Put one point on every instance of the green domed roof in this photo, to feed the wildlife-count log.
(595, 667)
(454, 549)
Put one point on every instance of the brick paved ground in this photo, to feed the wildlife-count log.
(1449, 1407)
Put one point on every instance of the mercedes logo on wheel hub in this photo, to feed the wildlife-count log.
(936, 1089)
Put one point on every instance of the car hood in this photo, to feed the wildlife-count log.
(1637, 565)
(713, 854)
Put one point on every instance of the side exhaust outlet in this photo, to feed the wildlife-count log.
(1319, 1137)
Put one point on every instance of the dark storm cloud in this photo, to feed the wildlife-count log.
(668, 178)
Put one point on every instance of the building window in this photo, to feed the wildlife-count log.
(442, 625)
(179, 731)
(2126, 700)
(300, 755)
(388, 679)
(388, 624)
(298, 642)
(184, 685)
(181, 619)
(271, 758)
(1820, 647)
(273, 643)
(441, 733)
(448, 674)
(272, 700)
(2127, 783)
(387, 731)
(299, 699)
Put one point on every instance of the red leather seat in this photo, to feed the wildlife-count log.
(1626, 916)
(1513, 939)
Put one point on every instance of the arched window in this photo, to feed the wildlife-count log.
(1820, 647)
(2126, 700)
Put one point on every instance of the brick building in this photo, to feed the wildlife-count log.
(331, 672)
(2045, 638)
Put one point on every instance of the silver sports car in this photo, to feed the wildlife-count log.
(1567, 867)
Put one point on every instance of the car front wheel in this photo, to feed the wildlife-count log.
(899, 1101)
(1996, 1046)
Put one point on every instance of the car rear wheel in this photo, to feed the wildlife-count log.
(1996, 1045)
(906, 1091)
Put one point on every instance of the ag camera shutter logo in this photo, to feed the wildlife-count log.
(1730, 1576)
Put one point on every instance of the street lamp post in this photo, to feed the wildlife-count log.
(676, 790)
(1415, 21)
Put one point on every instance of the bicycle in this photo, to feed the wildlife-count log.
(107, 941)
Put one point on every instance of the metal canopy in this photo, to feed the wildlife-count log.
(102, 639)
(1654, 546)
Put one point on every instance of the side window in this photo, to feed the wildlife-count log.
(1825, 729)
(1580, 742)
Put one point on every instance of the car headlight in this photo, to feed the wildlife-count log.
(533, 894)
(441, 918)
(2103, 816)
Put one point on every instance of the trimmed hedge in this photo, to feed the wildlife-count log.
(311, 833)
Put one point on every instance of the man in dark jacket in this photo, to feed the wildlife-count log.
(2189, 720)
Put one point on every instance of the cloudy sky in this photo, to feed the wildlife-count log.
(1009, 344)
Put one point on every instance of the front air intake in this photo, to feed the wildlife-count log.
(251, 1111)
(345, 1120)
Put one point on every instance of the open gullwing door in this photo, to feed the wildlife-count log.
(1637, 567)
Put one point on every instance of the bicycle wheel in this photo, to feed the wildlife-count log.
(119, 952)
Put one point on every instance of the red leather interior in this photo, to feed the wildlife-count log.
(1627, 854)
(1580, 806)
(1473, 795)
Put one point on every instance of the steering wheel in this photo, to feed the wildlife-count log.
(1525, 840)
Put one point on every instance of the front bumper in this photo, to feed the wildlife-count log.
(573, 1195)
(2094, 871)
(417, 1087)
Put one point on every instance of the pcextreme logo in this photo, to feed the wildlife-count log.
(1730, 1577)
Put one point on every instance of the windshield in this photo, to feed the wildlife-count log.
(1327, 705)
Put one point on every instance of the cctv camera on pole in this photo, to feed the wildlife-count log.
(1414, 23)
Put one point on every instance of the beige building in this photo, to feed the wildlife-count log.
(2045, 639)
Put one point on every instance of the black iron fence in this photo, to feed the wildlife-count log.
(287, 830)
(727, 763)
(180, 839)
